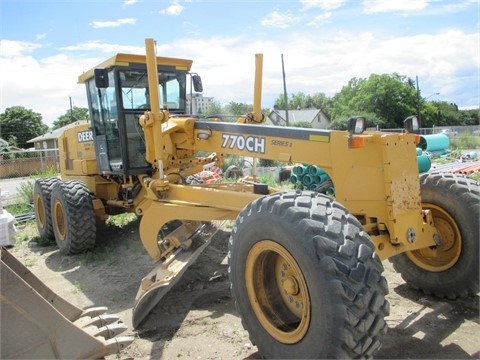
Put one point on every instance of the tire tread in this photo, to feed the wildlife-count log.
(462, 195)
(349, 262)
(81, 222)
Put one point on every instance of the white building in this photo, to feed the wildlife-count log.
(316, 117)
(197, 103)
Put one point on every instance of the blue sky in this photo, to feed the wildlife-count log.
(45, 45)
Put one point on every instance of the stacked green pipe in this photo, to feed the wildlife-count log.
(313, 178)
(423, 160)
(433, 144)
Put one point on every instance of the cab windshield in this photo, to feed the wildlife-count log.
(135, 92)
(116, 108)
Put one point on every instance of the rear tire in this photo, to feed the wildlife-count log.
(73, 216)
(451, 269)
(41, 201)
(305, 278)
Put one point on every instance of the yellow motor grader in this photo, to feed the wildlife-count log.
(305, 266)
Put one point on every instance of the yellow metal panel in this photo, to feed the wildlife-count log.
(76, 145)
(126, 59)
(321, 138)
(89, 167)
(156, 214)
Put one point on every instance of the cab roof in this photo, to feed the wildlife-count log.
(127, 59)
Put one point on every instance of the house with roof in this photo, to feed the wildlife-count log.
(316, 117)
(49, 140)
(16, 162)
(5, 146)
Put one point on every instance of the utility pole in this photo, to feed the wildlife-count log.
(71, 109)
(418, 102)
(285, 93)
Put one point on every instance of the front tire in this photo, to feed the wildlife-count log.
(41, 200)
(73, 216)
(451, 269)
(305, 278)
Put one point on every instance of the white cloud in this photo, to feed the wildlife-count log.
(383, 6)
(43, 85)
(322, 4)
(174, 9)
(114, 23)
(315, 61)
(459, 5)
(279, 20)
(12, 49)
(320, 19)
(97, 46)
(342, 56)
(129, 2)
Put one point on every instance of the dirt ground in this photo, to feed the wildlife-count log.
(197, 318)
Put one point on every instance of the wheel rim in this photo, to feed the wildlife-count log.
(40, 215)
(59, 216)
(277, 292)
(443, 256)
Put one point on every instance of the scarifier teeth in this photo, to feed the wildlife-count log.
(117, 344)
(110, 331)
(103, 320)
(97, 321)
(94, 311)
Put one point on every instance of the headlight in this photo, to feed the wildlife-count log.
(412, 124)
(356, 125)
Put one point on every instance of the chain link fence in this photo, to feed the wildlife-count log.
(14, 164)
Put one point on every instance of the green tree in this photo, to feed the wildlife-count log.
(323, 102)
(298, 101)
(280, 103)
(343, 105)
(70, 116)
(302, 124)
(213, 108)
(445, 114)
(22, 125)
(429, 115)
(389, 98)
(385, 100)
(231, 111)
(237, 109)
(469, 117)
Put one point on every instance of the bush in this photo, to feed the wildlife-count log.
(25, 190)
(18, 209)
(465, 141)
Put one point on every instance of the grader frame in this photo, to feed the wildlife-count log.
(302, 264)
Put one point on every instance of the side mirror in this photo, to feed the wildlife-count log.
(197, 83)
(101, 78)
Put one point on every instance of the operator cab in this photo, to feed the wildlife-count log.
(118, 94)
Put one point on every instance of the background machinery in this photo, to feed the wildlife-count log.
(39, 324)
(305, 267)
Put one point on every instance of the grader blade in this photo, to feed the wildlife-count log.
(167, 273)
(39, 324)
